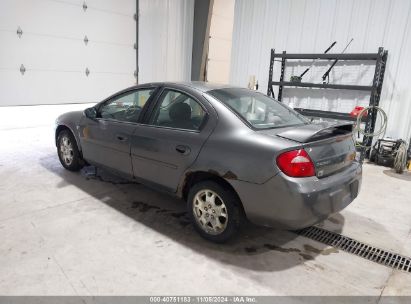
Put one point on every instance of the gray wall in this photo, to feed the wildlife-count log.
(311, 26)
(201, 12)
(165, 40)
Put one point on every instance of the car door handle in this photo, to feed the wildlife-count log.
(121, 138)
(183, 149)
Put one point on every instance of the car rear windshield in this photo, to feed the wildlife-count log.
(259, 110)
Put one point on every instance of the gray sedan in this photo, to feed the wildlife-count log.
(231, 153)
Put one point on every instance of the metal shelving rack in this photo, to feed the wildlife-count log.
(380, 59)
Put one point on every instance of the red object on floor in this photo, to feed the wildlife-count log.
(357, 110)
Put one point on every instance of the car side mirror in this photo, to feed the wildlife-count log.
(91, 113)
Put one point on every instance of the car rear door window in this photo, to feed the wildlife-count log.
(178, 110)
(126, 107)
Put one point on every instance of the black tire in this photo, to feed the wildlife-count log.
(233, 210)
(77, 162)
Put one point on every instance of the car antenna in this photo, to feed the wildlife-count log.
(327, 74)
(299, 78)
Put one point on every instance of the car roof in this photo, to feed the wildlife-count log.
(206, 86)
(198, 85)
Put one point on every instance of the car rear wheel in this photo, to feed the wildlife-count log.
(215, 211)
(68, 152)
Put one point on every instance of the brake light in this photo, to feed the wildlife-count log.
(296, 163)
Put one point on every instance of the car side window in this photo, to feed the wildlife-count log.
(126, 107)
(178, 110)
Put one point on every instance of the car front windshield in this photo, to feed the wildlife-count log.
(259, 110)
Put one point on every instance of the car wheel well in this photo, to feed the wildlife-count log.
(201, 176)
(59, 129)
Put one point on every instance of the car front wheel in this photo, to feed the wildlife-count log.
(215, 211)
(68, 152)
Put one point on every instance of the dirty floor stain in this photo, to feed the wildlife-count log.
(327, 251)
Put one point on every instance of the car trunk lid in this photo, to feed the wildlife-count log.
(330, 146)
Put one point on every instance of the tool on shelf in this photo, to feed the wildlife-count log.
(327, 74)
(299, 78)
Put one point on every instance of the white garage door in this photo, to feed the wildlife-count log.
(65, 51)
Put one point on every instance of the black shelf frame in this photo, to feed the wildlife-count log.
(322, 86)
(380, 59)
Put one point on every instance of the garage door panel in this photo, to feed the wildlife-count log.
(47, 53)
(102, 85)
(103, 58)
(31, 89)
(112, 28)
(43, 17)
(64, 54)
(9, 54)
(121, 7)
(67, 21)
(55, 56)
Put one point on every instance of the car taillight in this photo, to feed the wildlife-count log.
(296, 163)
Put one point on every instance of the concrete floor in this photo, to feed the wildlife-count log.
(65, 233)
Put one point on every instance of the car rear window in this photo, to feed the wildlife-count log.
(259, 110)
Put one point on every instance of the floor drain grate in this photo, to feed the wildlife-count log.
(363, 250)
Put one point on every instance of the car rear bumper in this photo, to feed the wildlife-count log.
(294, 203)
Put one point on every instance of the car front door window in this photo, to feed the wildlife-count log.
(126, 107)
